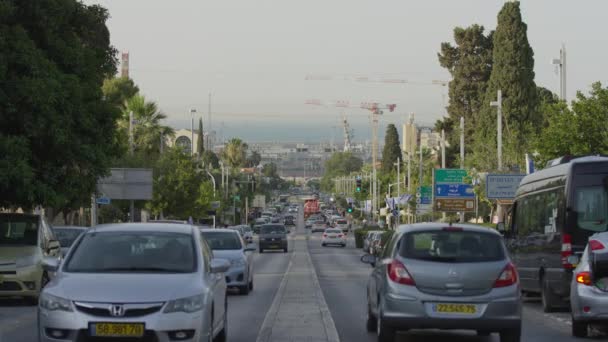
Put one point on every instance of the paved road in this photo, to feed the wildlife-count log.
(342, 278)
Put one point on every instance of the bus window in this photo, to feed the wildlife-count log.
(591, 207)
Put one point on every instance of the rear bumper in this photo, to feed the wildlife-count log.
(273, 244)
(592, 297)
(494, 314)
(334, 242)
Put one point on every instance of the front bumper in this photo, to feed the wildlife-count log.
(25, 282)
(237, 276)
(158, 326)
(413, 312)
(593, 298)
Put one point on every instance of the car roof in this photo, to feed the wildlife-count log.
(71, 227)
(220, 230)
(417, 227)
(150, 227)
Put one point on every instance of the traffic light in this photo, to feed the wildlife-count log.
(350, 208)
(358, 184)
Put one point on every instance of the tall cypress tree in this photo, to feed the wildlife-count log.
(470, 64)
(513, 74)
(392, 149)
(200, 144)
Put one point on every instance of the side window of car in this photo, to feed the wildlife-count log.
(207, 254)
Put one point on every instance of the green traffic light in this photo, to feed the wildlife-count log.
(358, 189)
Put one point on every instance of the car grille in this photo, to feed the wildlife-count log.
(10, 286)
(102, 310)
(83, 336)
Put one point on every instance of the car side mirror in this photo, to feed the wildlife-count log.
(50, 264)
(53, 245)
(219, 265)
(369, 259)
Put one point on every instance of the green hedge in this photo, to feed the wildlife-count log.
(360, 234)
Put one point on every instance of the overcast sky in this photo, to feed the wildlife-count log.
(254, 56)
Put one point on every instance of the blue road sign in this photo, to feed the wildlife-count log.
(454, 190)
(103, 200)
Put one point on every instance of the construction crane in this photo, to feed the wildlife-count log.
(367, 79)
(348, 133)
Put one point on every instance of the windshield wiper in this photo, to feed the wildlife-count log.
(140, 269)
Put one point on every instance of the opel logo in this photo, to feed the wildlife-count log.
(117, 310)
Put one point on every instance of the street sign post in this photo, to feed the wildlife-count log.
(454, 190)
(502, 187)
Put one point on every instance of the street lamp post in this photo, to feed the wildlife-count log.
(192, 112)
(498, 105)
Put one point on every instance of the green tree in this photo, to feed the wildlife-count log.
(254, 159)
(339, 164)
(200, 146)
(209, 158)
(148, 127)
(470, 65)
(392, 149)
(235, 153)
(270, 170)
(180, 190)
(118, 90)
(513, 74)
(57, 132)
(580, 131)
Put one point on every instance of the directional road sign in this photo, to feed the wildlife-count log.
(451, 176)
(455, 204)
(502, 186)
(454, 190)
(103, 200)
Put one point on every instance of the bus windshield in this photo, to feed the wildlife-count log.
(591, 206)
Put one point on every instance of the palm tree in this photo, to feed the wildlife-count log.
(235, 153)
(147, 129)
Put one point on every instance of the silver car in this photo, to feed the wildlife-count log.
(143, 281)
(434, 276)
(589, 287)
(67, 235)
(228, 244)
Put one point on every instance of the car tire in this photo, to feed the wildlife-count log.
(251, 285)
(323, 245)
(512, 335)
(285, 250)
(223, 334)
(384, 332)
(261, 250)
(579, 328)
(371, 323)
(548, 299)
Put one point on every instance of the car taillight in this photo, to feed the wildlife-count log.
(584, 278)
(566, 251)
(508, 277)
(324, 235)
(399, 274)
(340, 235)
(596, 245)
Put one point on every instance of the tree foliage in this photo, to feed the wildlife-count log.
(147, 127)
(254, 159)
(57, 132)
(200, 144)
(513, 74)
(118, 90)
(392, 149)
(210, 159)
(235, 153)
(470, 65)
(580, 131)
(339, 164)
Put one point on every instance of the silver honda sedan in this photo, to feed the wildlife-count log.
(155, 282)
(439, 276)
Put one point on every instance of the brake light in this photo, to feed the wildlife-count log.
(324, 235)
(566, 251)
(399, 274)
(584, 278)
(508, 277)
(596, 245)
(340, 235)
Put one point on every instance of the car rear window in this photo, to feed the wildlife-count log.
(333, 231)
(452, 246)
(342, 222)
(222, 240)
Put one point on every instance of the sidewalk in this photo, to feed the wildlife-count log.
(299, 311)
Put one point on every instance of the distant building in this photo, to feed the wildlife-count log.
(124, 66)
(430, 140)
(183, 138)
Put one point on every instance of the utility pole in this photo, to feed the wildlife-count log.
(443, 148)
(398, 188)
(561, 64)
(192, 112)
(498, 105)
(209, 113)
(462, 155)
(131, 152)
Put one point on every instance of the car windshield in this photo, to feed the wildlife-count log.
(222, 240)
(129, 252)
(18, 230)
(452, 246)
(66, 236)
(273, 230)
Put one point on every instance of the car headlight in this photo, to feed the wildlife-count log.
(237, 262)
(27, 261)
(188, 304)
(53, 303)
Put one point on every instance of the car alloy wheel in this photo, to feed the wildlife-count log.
(385, 333)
